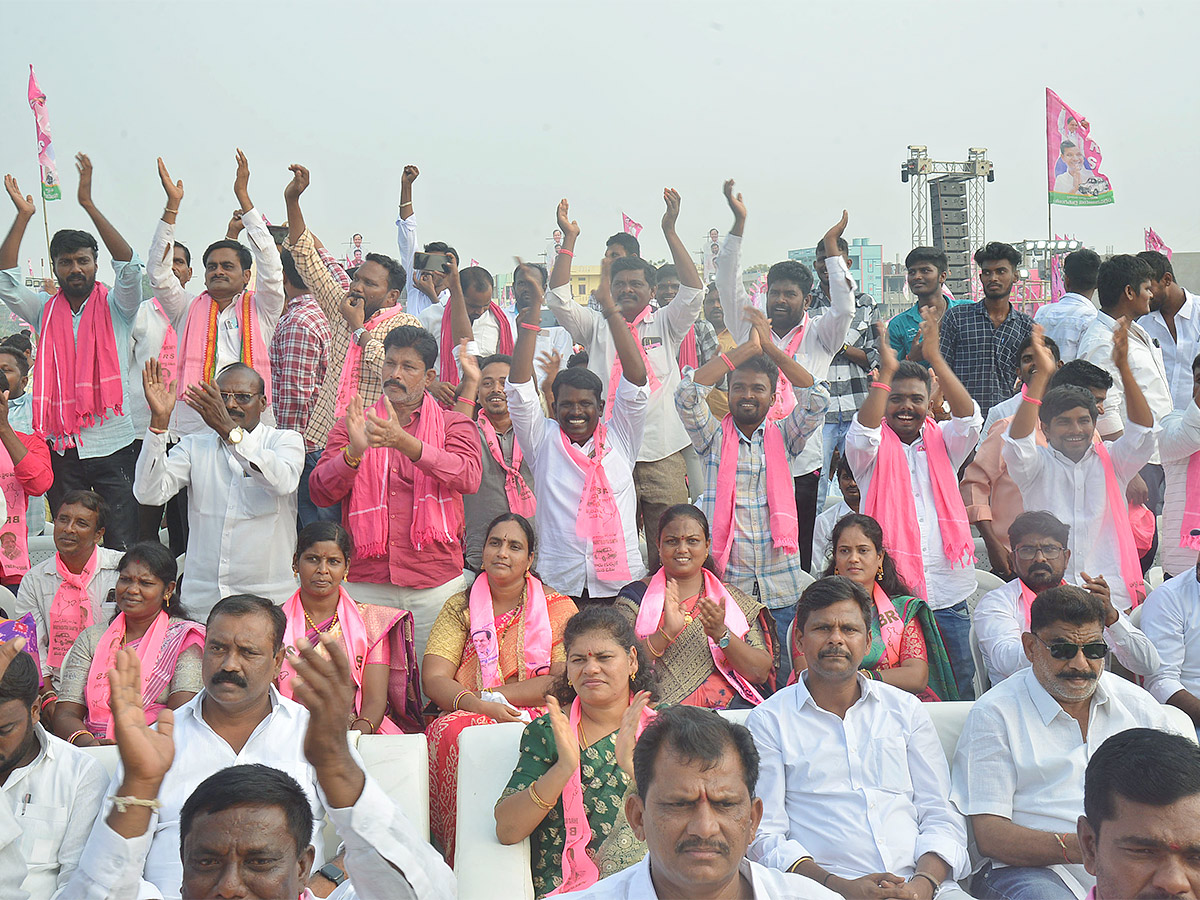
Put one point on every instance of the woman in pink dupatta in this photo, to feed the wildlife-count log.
(378, 639)
(151, 621)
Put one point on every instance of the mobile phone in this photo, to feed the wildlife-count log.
(430, 262)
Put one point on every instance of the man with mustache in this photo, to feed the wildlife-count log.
(81, 377)
(926, 269)
(1039, 558)
(241, 477)
(853, 779)
(1019, 766)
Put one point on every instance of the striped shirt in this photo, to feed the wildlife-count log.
(848, 382)
(984, 357)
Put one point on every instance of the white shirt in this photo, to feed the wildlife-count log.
(1005, 409)
(486, 331)
(564, 559)
(55, 799)
(1075, 494)
(12, 861)
(824, 335)
(822, 546)
(660, 333)
(1146, 364)
(415, 301)
(947, 584)
(1177, 355)
(1171, 620)
(1065, 322)
(1021, 755)
(635, 883)
(177, 302)
(863, 794)
(241, 509)
(385, 857)
(999, 620)
(41, 583)
(1178, 442)
(149, 331)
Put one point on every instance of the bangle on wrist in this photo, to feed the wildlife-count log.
(1063, 844)
(459, 697)
(538, 800)
(351, 460)
(467, 400)
(798, 863)
(1025, 396)
(881, 386)
(825, 880)
(528, 327)
(363, 719)
(81, 731)
(168, 209)
(406, 203)
(565, 252)
(928, 878)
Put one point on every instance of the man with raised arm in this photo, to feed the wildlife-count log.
(81, 377)
(660, 473)
(582, 461)
(426, 288)
(812, 341)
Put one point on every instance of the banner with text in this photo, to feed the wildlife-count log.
(1072, 158)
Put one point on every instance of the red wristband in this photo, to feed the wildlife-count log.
(528, 327)
(1025, 395)
(725, 359)
(566, 252)
(882, 386)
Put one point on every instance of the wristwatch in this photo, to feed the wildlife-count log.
(235, 435)
(330, 872)
(723, 643)
(358, 333)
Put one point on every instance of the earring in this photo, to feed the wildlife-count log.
(879, 574)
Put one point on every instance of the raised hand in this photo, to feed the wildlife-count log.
(468, 363)
(671, 199)
(356, 427)
(146, 754)
(83, 166)
(712, 617)
(568, 226)
(550, 363)
(1120, 351)
(298, 184)
(427, 286)
(160, 397)
(734, 200)
(174, 189)
(930, 332)
(23, 202)
(565, 739)
(410, 174)
(1043, 359)
(235, 226)
(325, 687)
(673, 621)
(241, 182)
(831, 236)
(383, 432)
(205, 398)
(760, 327)
(627, 733)
(888, 363)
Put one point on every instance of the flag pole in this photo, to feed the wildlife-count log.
(46, 223)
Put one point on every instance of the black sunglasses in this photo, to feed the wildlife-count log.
(1067, 650)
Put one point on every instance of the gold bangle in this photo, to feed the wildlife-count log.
(352, 461)
(363, 719)
(801, 861)
(71, 739)
(538, 800)
(458, 697)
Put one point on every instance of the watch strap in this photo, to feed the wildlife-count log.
(330, 872)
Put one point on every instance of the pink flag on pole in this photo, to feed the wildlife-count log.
(41, 120)
(631, 227)
(1057, 286)
(1072, 158)
(474, 262)
(1154, 242)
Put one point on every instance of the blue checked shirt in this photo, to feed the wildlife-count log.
(753, 559)
(984, 357)
(848, 382)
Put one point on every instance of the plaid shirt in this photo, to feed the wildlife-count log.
(335, 268)
(755, 566)
(849, 383)
(984, 357)
(299, 355)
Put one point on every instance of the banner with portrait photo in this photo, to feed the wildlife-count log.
(1072, 158)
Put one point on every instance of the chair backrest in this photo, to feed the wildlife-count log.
(107, 755)
(984, 582)
(400, 763)
(1135, 615)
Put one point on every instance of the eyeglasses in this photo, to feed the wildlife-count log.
(1067, 650)
(1048, 551)
(239, 398)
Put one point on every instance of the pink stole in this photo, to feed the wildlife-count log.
(1131, 567)
(891, 624)
(13, 524)
(599, 520)
(1191, 505)
(890, 502)
(348, 381)
(538, 636)
(1027, 598)
(71, 609)
(650, 614)
(579, 871)
(614, 377)
(781, 495)
(76, 380)
(168, 353)
(200, 342)
(689, 354)
(446, 361)
(785, 399)
(520, 497)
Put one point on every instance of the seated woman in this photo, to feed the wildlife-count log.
(712, 644)
(906, 646)
(150, 620)
(501, 639)
(576, 766)
(378, 639)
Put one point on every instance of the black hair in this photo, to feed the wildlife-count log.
(21, 360)
(476, 278)
(187, 254)
(1081, 373)
(239, 605)
(235, 367)
(290, 272)
(525, 525)
(634, 263)
(994, 251)
(420, 340)
(1038, 521)
(577, 360)
(1159, 265)
(843, 467)
(927, 254)
(891, 582)
(20, 681)
(250, 785)
(1060, 399)
(1143, 765)
(1117, 273)
(238, 247)
(355, 235)
(627, 242)
(320, 532)
(791, 270)
(907, 369)
(1047, 340)
(830, 590)
(442, 247)
(21, 341)
(502, 358)
(395, 272)
(69, 240)
(694, 734)
(533, 265)
(688, 511)
(762, 364)
(666, 272)
(1081, 267)
(580, 378)
(1066, 145)
(162, 565)
(606, 619)
(842, 245)
(88, 500)
(1065, 603)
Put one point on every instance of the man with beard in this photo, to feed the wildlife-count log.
(1019, 766)
(1174, 322)
(241, 476)
(55, 790)
(552, 337)
(81, 378)
(746, 458)
(926, 269)
(1039, 557)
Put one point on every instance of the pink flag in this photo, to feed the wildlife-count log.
(1057, 286)
(1154, 242)
(631, 227)
(1072, 158)
(41, 119)
(474, 262)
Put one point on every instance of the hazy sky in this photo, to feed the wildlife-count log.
(509, 106)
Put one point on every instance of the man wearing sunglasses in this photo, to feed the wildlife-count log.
(1019, 766)
(241, 475)
(1040, 558)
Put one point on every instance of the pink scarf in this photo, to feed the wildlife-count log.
(1131, 566)
(437, 514)
(17, 501)
(76, 380)
(168, 353)
(579, 871)
(538, 636)
(200, 339)
(599, 519)
(785, 399)
(1027, 598)
(446, 361)
(891, 625)
(689, 355)
(71, 609)
(520, 497)
(890, 502)
(781, 495)
(614, 377)
(349, 380)
(1191, 506)
(650, 615)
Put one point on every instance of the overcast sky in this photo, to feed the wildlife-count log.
(509, 106)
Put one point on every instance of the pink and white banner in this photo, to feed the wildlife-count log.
(631, 227)
(1072, 158)
(1154, 242)
(37, 102)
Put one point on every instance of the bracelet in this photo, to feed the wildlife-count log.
(154, 430)
(168, 209)
(460, 695)
(928, 878)
(123, 803)
(1063, 844)
(566, 252)
(364, 719)
(466, 400)
(47, 699)
(1025, 396)
(881, 386)
(71, 739)
(406, 203)
(825, 880)
(538, 800)
(801, 861)
(725, 359)
(352, 461)
(528, 327)
(650, 647)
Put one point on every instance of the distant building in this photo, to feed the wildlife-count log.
(866, 264)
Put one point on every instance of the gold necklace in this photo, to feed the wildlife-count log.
(313, 625)
(582, 733)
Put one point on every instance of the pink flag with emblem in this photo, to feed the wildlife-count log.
(41, 119)
(631, 227)
(1154, 242)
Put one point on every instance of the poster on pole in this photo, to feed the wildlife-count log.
(41, 120)
(1072, 158)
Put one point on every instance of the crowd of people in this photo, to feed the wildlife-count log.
(403, 508)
